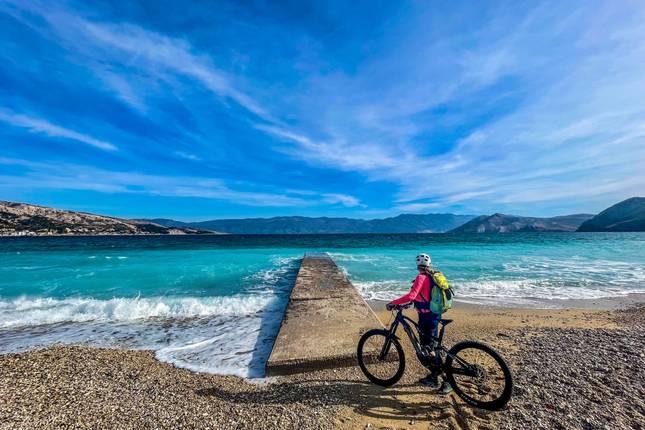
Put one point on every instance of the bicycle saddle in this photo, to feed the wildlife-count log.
(445, 322)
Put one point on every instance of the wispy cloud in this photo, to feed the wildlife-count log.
(151, 57)
(169, 54)
(187, 156)
(45, 176)
(343, 199)
(576, 128)
(528, 109)
(44, 127)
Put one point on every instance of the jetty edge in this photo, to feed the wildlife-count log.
(323, 321)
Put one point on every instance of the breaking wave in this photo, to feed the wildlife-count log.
(38, 311)
(216, 334)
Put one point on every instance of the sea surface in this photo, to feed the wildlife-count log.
(214, 303)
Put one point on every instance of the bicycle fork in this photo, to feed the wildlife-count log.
(388, 341)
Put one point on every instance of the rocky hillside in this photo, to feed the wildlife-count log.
(628, 215)
(406, 223)
(500, 223)
(19, 219)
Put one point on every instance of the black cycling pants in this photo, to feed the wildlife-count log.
(428, 327)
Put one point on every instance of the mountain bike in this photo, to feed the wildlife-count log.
(476, 372)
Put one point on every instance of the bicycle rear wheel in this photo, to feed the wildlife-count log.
(479, 375)
(380, 357)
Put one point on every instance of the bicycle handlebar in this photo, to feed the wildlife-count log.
(403, 306)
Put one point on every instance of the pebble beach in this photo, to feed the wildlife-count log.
(573, 369)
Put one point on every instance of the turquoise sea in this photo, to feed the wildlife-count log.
(214, 303)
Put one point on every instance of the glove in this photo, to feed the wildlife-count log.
(390, 306)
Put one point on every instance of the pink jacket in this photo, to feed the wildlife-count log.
(419, 292)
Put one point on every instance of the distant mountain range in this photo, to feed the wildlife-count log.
(500, 223)
(20, 219)
(628, 215)
(407, 223)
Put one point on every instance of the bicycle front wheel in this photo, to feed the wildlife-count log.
(479, 375)
(380, 357)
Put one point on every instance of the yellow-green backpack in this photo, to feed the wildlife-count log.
(441, 294)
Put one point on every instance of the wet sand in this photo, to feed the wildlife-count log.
(573, 368)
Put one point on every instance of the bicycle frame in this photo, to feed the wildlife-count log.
(407, 324)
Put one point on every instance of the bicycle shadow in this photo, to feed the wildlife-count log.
(405, 402)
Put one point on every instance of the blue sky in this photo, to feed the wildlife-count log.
(197, 110)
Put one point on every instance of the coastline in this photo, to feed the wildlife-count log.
(214, 233)
(602, 303)
(573, 367)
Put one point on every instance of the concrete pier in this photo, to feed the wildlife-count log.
(323, 321)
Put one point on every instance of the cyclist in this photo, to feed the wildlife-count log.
(421, 294)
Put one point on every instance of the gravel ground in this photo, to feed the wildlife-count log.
(581, 378)
(79, 387)
(566, 378)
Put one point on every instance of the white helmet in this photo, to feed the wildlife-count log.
(424, 260)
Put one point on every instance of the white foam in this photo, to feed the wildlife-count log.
(536, 289)
(501, 292)
(578, 270)
(224, 335)
(239, 347)
(27, 311)
(283, 262)
(381, 290)
(361, 258)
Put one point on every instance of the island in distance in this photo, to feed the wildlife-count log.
(628, 215)
(20, 219)
(500, 223)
